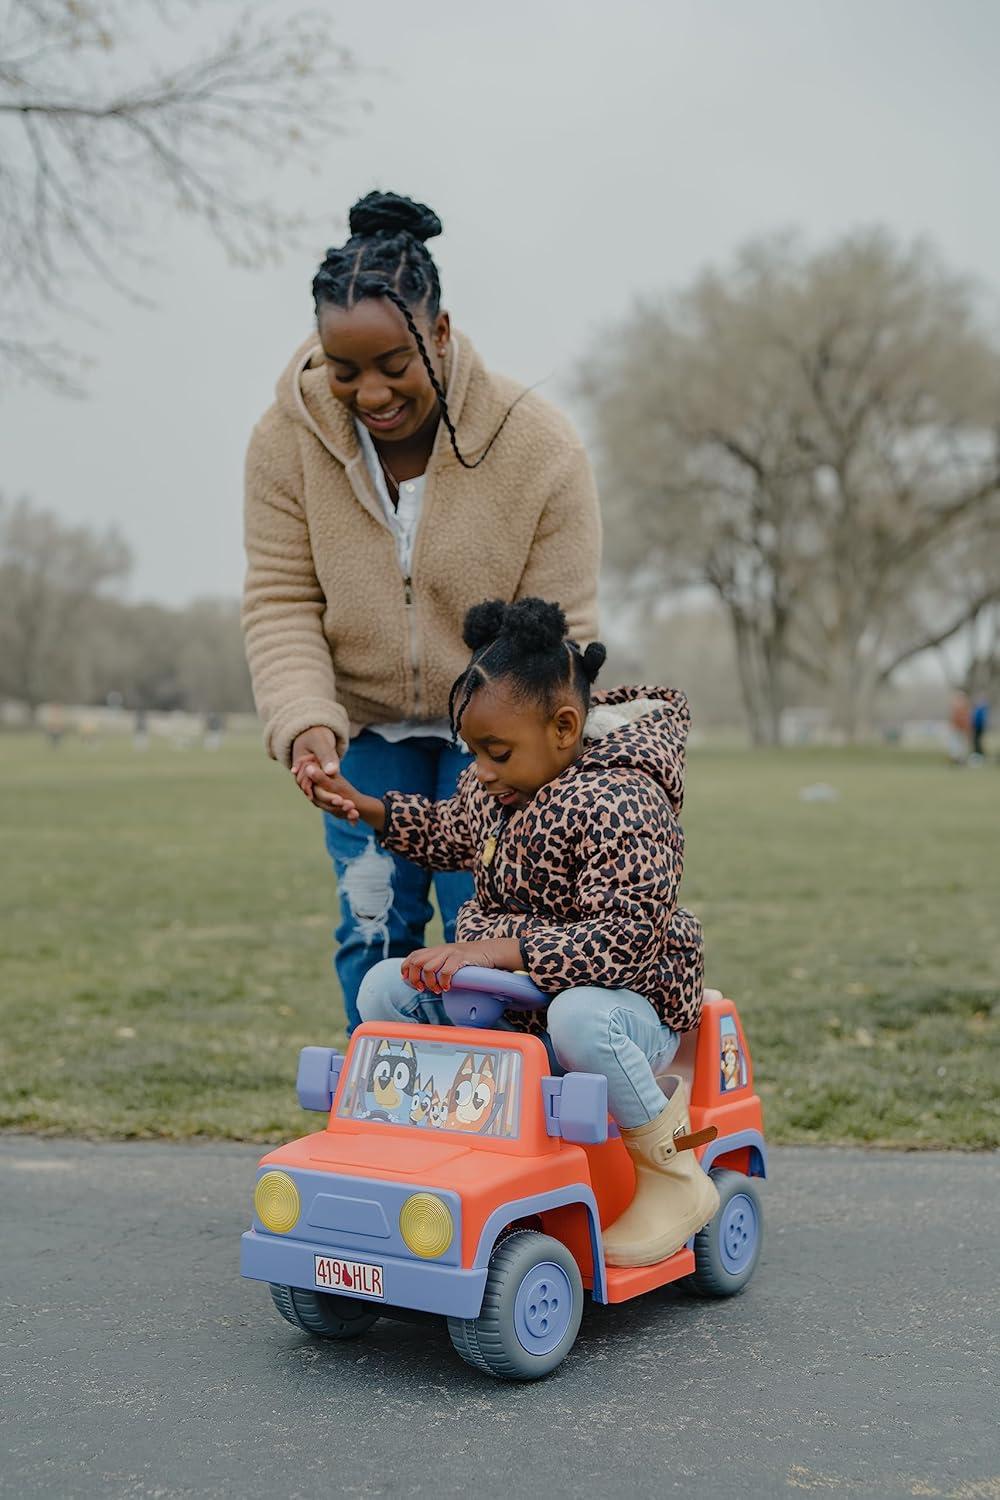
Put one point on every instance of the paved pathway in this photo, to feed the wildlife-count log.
(861, 1361)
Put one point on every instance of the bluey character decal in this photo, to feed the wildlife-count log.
(391, 1080)
(420, 1104)
(437, 1113)
(732, 1063)
(472, 1094)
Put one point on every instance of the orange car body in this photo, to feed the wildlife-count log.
(534, 1176)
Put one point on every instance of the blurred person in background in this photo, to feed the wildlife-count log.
(394, 482)
(959, 728)
(980, 724)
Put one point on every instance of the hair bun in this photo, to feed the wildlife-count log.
(483, 623)
(388, 213)
(535, 625)
(593, 660)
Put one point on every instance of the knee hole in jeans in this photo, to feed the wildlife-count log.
(367, 887)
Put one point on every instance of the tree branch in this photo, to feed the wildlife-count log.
(930, 643)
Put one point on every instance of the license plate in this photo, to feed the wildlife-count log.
(358, 1276)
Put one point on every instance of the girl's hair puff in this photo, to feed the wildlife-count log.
(524, 644)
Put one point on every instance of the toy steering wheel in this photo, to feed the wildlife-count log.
(479, 997)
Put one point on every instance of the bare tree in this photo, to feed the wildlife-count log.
(805, 435)
(96, 138)
(51, 577)
(212, 665)
(958, 611)
(155, 657)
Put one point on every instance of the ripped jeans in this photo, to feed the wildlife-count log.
(613, 1032)
(384, 906)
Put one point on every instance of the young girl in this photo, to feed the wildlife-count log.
(568, 820)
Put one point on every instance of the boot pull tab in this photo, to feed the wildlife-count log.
(667, 1149)
(696, 1138)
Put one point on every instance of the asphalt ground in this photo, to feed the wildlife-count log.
(861, 1360)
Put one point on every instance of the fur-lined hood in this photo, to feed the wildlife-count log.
(639, 729)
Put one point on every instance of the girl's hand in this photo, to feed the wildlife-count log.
(314, 762)
(342, 800)
(434, 969)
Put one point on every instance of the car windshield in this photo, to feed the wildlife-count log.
(433, 1086)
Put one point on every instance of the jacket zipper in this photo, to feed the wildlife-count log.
(411, 630)
(492, 874)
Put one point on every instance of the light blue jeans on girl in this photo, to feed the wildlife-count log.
(383, 898)
(613, 1032)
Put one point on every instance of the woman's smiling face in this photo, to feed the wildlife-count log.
(374, 365)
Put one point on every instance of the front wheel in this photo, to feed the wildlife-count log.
(726, 1251)
(531, 1311)
(323, 1313)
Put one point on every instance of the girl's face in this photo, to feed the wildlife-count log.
(375, 367)
(518, 746)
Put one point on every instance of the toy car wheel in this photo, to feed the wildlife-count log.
(727, 1249)
(531, 1312)
(323, 1313)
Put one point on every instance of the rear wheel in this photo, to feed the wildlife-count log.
(726, 1251)
(531, 1311)
(323, 1313)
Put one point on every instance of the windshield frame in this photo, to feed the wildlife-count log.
(474, 1088)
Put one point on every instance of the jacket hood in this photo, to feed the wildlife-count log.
(476, 401)
(639, 729)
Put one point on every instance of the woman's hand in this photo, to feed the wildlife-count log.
(316, 768)
(314, 762)
(434, 969)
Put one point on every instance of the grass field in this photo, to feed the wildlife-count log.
(165, 943)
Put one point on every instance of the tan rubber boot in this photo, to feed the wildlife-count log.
(673, 1196)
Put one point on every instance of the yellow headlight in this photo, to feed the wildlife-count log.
(426, 1225)
(276, 1200)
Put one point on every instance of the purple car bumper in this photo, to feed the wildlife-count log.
(448, 1290)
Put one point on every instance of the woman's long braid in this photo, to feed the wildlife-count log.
(397, 301)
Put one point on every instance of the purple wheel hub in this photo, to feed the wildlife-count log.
(543, 1308)
(738, 1231)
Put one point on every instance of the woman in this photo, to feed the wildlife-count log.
(393, 483)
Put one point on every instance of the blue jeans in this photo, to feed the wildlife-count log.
(613, 1032)
(384, 904)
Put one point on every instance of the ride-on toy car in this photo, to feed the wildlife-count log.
(458, 1175)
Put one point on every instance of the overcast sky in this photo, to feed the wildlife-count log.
(579, 154)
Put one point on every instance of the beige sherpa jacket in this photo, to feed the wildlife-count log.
(334, 634)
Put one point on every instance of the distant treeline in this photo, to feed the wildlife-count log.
(66, 636)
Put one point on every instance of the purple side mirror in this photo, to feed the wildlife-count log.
(316, 1083)
(576, 1107)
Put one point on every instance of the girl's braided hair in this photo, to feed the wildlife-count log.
(524, 644)
(386, 257)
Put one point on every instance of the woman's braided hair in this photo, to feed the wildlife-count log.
(386, 257)
(524, 644)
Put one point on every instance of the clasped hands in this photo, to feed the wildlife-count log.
(316, 768)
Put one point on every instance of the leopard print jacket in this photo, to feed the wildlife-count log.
(586, 875)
